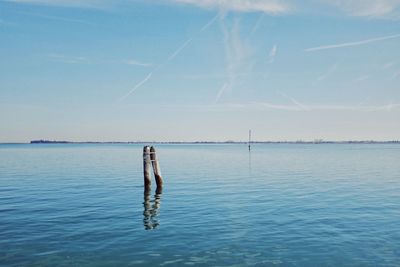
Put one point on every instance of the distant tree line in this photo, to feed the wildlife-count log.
(317, 141)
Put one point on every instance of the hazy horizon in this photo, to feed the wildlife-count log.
(316, 140)
(101, 70)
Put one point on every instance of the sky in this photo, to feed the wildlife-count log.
(195, 70)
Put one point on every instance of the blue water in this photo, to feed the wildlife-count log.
(280, 205)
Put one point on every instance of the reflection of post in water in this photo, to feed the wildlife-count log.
(250, 162)
(249, 145)
(151, 209)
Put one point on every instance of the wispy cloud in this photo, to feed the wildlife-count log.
(7, 23)
(68, 59)
(396, 74)
(267, 6)
(57, 18)
(268, 105)
(295, 107)
(298, 106)
(388, 65)
(386, 107)
(137, 63)
(358, 8)
(272, 54)
(237, 53)
(260, 106)
(361, 78)
(366, 8)
(355, 8)
(97, 4)
(357, 43)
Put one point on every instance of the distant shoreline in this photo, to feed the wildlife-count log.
(215, 142)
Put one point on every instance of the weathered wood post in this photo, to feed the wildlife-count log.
(146, 168)
(156, 168)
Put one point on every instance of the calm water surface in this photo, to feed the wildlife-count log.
(280, 205)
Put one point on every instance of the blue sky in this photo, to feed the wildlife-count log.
(188, 70)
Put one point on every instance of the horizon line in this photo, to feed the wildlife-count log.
(315, 141)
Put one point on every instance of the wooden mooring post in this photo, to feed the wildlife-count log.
(156, 168)
(146, 168)
(150, 159)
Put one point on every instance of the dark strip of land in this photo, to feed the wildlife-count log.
(221, 142)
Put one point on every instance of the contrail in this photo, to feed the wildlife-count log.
(363, 42)
(221, 91)
(272, 54)
(208, 24)
(330, 71)
(294, 101)
(170, 58)
(137, 86)
(188, 41)
(173, 55)
(257, 24)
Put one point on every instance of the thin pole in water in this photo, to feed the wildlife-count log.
(249, 140)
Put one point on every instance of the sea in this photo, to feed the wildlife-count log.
(221, 205)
